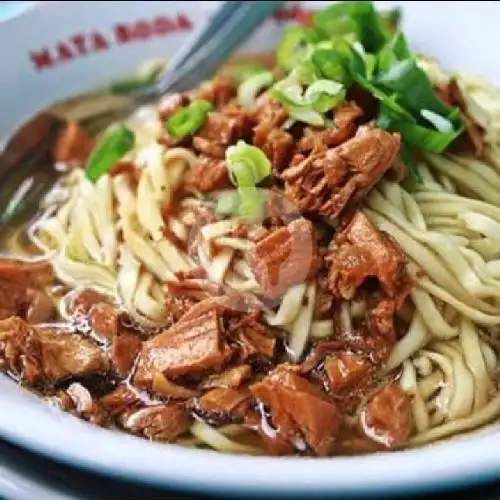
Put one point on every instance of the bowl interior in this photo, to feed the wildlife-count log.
(460, 35)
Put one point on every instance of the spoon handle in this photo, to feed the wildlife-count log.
(204, 34)
(203, 63)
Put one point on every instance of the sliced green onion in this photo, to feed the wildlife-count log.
(247, 164)
(370, 63)
(415, 178)
(241, 174)
(247, 202)
(396, 49)
(364, 49)
(188, 119)
(294, 46)
(324, 95)
(288, 91)
(319, 97)
(251, 203)
(228, 203)
(407, 79)
(248, 90)
(341, 19)
(359, 17)
(414, 134)
(115, 144)
(330, 64)
(424, 138)
(339, 61)
(306, 72)
(247, 167)
(368, 59)
(306, 116)
(389, 100)
(439, 122)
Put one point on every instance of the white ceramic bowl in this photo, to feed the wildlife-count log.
(55, 50)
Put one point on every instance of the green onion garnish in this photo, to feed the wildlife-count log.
(248, 90)
(247, 167)
(439, 122)
(228, 203)
(308, 106)
(350, 43)
(188, 119)
(324, 95)
(431, 139)
(294, 46)
(247, 164)
(358, 17)
(114, 145)
(396, 49)
(288, 91)
(331, 64)
(251, 203)
(246, 202)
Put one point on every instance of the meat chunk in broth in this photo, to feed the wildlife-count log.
(158, 423)
(82, 301)
(73, 145)
(219, 91)
(28, 273)
(329, 181)
(224, 406)
(38, 355)
(277, 144)
(255, 340)
(104, 320)
(210, 174)
(122, 399)
(298, 410)
(355, 166)
(362, 251)
(288, 256)
(191, 346)
(346, 372)
(85, 406)
(21, 290)
(220, 130)
(366, 263)
(231, 378)
(29, 303)
(344, 121)
(387, 418)
(268, 134)
(124, 350)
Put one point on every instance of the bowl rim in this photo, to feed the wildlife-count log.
(451, 464)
